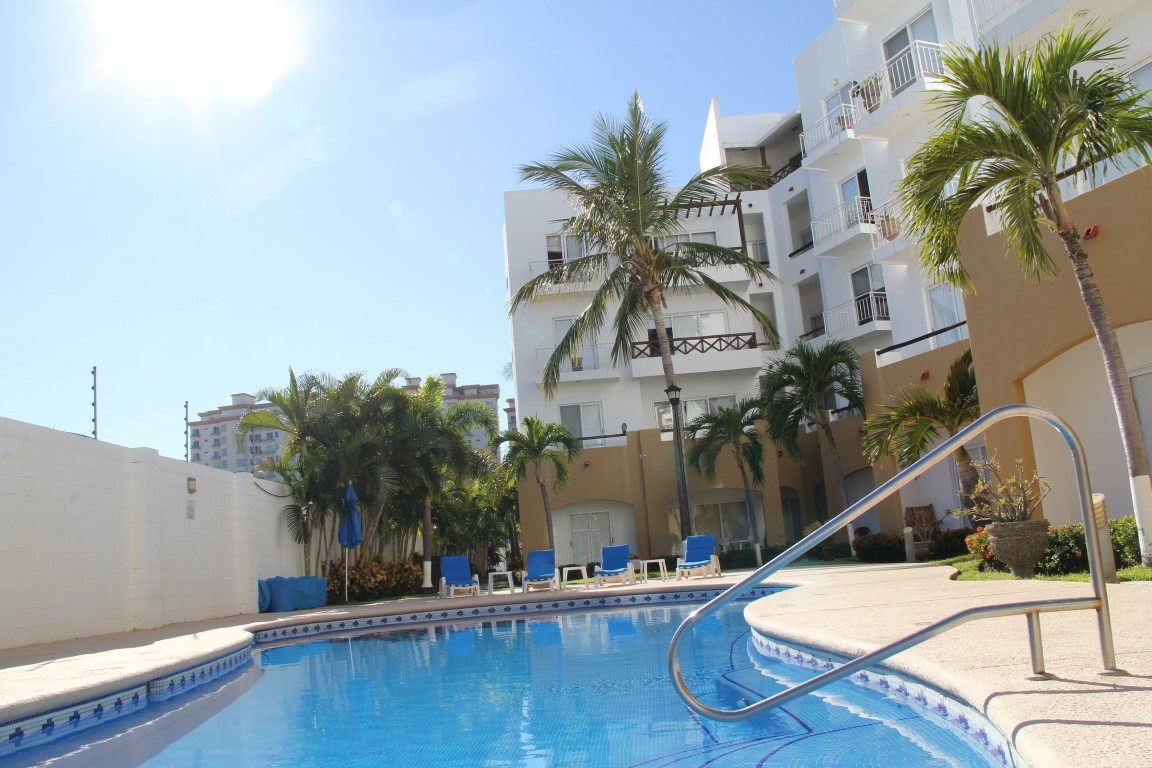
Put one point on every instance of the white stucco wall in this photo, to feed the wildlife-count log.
(98, 538)
(1075, 388)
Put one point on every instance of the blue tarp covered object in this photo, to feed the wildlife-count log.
(293, 594)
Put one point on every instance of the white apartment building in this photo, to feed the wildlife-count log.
(212, 442)
(827, 229)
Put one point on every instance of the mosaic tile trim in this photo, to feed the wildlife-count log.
(961, 720)
(553, 604)
(165, 688)
(46, 727)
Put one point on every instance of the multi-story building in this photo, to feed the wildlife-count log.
(488, 394)
(827, 227)
(212, 441)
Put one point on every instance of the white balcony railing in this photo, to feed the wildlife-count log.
(828, 127)
(919, 60)
(860, 311)
(856, 211)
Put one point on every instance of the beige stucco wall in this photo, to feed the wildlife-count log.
(1018, 328)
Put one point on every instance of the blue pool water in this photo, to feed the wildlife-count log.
(578, 689)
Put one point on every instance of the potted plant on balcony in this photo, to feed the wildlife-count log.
(1006, 507)
(889, 225)
(577, 362)
(868, 91)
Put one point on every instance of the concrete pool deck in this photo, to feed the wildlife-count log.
(1078, 719)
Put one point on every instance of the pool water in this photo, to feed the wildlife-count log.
(579, 689)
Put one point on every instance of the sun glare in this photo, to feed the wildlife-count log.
(201, 48)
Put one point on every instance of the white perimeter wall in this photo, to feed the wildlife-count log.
(1075, 388)
(98, 538)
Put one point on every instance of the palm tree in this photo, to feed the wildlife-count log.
(794, 392)
(627, 215)
(538, 445)
(1040, 115)
(916, 417)
(734, 429)
(436, 449)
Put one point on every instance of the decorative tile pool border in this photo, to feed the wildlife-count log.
(552, 604)
(958, 718)
(47, 727)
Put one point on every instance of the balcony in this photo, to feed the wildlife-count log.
(893, 98)
(828, 133)
(593, 362)
(699, 354)
(864, 316)
(777, 176)
(844, 228)
(537, 268)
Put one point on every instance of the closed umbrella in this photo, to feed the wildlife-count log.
(350, 532)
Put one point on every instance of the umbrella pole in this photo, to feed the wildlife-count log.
(345, 575)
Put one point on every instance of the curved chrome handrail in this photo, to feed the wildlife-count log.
(1099, 601)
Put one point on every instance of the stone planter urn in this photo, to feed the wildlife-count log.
(1019, 544)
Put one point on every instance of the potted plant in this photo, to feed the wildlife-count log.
(1005, 508)
(577, 362)
(889, 226)
(868, 91)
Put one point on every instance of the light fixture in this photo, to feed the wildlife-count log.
(191, 485)
(673, 393)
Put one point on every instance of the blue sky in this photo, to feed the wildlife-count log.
(193, 203)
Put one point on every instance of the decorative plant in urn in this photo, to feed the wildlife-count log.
(1005, 506)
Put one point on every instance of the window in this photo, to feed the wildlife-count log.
(758, 251)
(729, 521)
(708, 238)
(562, 248)
(899, 58)
(582, 420)
(583, 358)
(711, 323)
(947, 309)
(693, 407)
(869, 293)
(834, 105)
(857, 198)
(196, 432)
(195, 457)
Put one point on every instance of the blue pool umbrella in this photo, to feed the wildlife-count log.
(350, 532)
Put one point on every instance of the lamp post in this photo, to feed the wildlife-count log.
(673, 393)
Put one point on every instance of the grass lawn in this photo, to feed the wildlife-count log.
(967, 570)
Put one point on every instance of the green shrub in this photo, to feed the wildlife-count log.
(950, 543)
(1125, 541)
(737, 558)
(880, 548)
(373, 579)
(1066, 552)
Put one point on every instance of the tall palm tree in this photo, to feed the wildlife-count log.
(916, 416)
(733, 429)
(1012, 125)
(794, 391)
(437, 449)
(540, 444)
(627, 215)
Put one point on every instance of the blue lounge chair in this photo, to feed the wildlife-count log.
(699, 557)
(615, 563)
(456, 576)
(542, 570)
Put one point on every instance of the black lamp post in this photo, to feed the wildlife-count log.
(673, 393)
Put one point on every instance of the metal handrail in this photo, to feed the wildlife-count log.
(1099, 601)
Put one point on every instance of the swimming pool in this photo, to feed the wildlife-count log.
(576, 689)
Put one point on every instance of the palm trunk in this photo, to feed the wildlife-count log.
(1121, 387)
(838, 469)
(547, 513)
(655, 298)
(968, 477)
(747, 487)
(427, 541)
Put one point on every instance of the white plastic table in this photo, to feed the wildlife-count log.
(658, 561)
(570, 569)
(507, 575)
